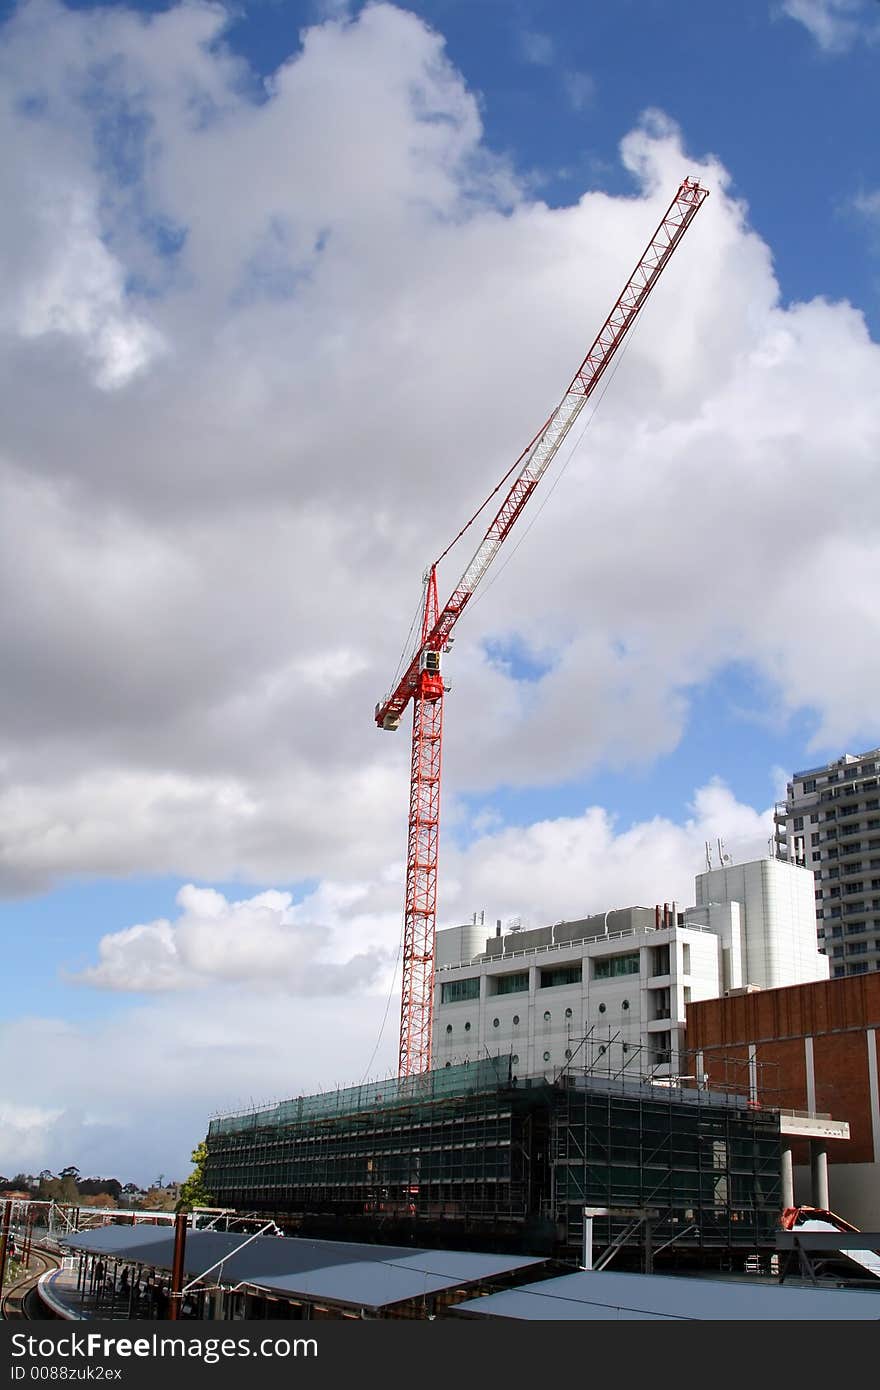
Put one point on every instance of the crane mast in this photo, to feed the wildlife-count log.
(422, 681)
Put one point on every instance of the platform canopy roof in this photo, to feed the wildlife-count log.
(339, 1272)
(592, 1297)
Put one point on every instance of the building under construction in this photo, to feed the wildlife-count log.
(470, 1156)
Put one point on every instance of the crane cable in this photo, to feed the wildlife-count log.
(385, 1015)
(559, 475)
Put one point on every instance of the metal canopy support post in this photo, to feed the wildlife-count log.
(4, 1239)
(177, 1266)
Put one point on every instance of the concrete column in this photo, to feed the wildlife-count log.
(787, 1176)
(587, 1243)
(819, 1173)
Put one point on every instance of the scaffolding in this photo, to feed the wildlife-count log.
(455, 1144)
(469, 1151)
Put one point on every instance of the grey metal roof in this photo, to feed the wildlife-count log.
(370, 1284)
(338, 1271)
(110, 1240)
(515, 1304)
(612, 1296)
(462, 1265)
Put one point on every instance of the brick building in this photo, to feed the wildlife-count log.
(811, 1048)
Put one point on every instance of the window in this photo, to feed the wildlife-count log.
(856, 948)
(568, 1013)
(660, 960)
(810, 784)
(798, 822)
(661, 1048)
(601, 1008)
(516, 1020)
(457, 991)
(859, 967)
(511, 984)
(449, 1027)
(515, 1060)
(660, 1003)
(495, 1022)
(687, 994)
(624, 1003)
(546, 1015)
(608, 967)
(546, 1056)
(567, 1053)
(561, 975)
(686, 958)
(467, 1027)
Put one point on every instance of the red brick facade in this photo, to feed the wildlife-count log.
(831, 1017)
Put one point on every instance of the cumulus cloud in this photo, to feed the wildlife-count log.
(264, 998)
(265, 345)
(342, 937)
(263, 940)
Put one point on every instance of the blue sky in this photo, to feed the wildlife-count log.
(539, 96)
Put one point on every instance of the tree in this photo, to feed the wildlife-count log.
(157, 1199)
(194, 1193)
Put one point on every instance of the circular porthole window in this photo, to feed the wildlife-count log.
(626, 1047)
(449, 1064)
(515, 1019)
(495, 1022)
(449, 1027)
(546, 1056)
(467, 1027)
(601, 1008)
(625, 1004)
(602, 1049)
(567, 1053)
(546, 1015)
(568, 1013)
(515, 1060)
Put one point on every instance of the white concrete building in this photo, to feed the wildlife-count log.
(607, 994)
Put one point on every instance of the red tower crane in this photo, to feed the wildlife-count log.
(422, 681)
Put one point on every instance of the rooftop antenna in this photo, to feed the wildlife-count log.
(708, 856)
(723, 856)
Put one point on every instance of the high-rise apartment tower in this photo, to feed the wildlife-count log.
(830, 823)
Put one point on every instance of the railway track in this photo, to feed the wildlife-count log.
(22, 1301)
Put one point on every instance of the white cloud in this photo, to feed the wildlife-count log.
(834, 24)
(264, 941)
(209, 570)
(265, 998)
(342, 938)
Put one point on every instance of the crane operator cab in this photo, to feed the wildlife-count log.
(430, 680)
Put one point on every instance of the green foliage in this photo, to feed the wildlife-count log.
(193, 1192)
